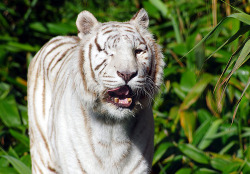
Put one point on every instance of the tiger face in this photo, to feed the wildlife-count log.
(125, 64)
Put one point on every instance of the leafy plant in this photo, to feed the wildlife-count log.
(194, 132)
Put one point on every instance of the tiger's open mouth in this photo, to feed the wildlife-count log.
(121, 96)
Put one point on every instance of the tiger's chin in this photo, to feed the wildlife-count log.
(115, 112)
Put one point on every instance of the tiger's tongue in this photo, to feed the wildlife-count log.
(120, 91)
(120, 96)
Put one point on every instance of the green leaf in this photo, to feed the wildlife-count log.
(188, 80)
(18, 165)
(201, 131)
(26, 160)
(8, 112)
(196, 91)
(184, 171)
(220, 163)
(161, 7)
(211, 104)
(240, 32)
(243, 17)
(177, 89)
(12, 153)
(211, 132)
(54, 28)
(24, 114)
(22, 138)
(204, 115)
(7, 170)
(205, 171)
(173, 113)
(246, 167)
(193, 153)
(160, 151)
(242, 58)
(188, 123)
(227, 165)
(240, 16)
(243, 73)
(227, 147)
(15, 47)
(242, 94)
(4, 90)
(3, 162)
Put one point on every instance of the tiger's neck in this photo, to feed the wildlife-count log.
(116, 143)
(112, 140)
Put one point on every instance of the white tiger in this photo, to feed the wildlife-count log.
(89, 99)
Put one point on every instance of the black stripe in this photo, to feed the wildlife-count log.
(34, 107)
(90, 63)
(61, 57)
(89, 133)
(101, 70)
(130, 31)
(97, 44)
(81, 63)
(108, 31)
(98, 66)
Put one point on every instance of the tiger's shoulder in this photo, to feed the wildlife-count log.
(55, 53)
(55, 46)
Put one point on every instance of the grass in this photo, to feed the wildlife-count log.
(207, 74)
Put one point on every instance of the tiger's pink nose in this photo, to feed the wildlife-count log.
(127, 76)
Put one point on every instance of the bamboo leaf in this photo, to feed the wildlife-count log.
(196, 91)
(18, 165)
(194, 153)
(16, 47)
(188, 123)
(160, 151)
(205, 171)
(240, 32)
(184, 171)
(243, 17)
(219, 163)
(8, 112)
(201, 131)
(22, 138)
(187, 81)
(208, 138)
(229, 64)
(240, 16)
(227, 147)
(161, 7)
(211, 104)
(238, 103)
(243, 57)
(7, 170)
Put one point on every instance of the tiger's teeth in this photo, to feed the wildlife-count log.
(129, 100)
(116, 100)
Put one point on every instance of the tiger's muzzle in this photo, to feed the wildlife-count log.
(121, 96)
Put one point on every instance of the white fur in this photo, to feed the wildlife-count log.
(73, 129)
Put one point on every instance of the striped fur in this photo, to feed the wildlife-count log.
(73, 127)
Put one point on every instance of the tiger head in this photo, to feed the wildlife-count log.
(122, 64)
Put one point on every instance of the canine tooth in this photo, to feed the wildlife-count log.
(116, 100)
(129, 100)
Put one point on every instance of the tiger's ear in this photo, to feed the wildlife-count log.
(85, 22)
(141, 18)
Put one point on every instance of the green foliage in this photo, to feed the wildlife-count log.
(194, 132)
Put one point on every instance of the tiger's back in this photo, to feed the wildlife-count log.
(89, 99)
(43, 73)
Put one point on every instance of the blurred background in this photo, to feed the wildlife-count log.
(196, 130)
